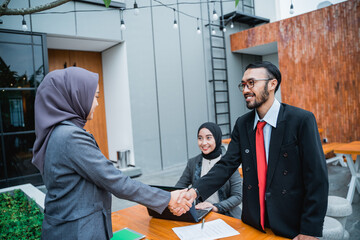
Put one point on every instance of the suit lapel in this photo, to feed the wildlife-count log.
(251, 136)
(275, 145)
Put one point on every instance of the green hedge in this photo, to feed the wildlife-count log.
(19, 217)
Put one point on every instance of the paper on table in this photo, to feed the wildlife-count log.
(212, 230)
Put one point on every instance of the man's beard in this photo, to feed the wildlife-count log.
(263, 98)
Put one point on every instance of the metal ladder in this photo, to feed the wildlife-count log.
(219, 74)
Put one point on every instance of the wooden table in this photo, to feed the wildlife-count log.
(328, 148)
(138, 219)
(348, 150)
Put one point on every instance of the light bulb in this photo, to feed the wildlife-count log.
(232, 25)
(198, 31)
(291, 9)
(136, 9)
(122, 26)
(24, 26)
(213, 32)
(175, 26)
(215, 16)
(224, 29)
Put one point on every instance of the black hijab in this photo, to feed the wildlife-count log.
(65, 94)
(217, 134)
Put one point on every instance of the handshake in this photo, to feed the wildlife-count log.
(181, 201)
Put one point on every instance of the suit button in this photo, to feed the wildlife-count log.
(285, 172)
(285, 155)
(247, 169)
(249, 187)
(283, 192)
(247, 150)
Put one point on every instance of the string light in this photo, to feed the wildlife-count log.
(213, 32)
(291, 8)
(24, 26)
(175, 26)
(198, 31)
(224, 29)
(122, 22)
(232, 24)
(215, 16)
(136, 8)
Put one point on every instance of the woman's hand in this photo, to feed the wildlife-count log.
(204, 205)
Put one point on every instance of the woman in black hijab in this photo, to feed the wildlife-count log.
(78, 178)
(227, 199)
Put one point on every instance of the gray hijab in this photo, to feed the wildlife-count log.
(65, 94)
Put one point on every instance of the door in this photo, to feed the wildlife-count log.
(59, 59)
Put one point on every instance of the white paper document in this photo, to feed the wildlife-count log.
(212, 230)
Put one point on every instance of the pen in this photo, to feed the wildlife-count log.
(202, 224)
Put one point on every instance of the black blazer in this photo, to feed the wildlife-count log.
(297, 180)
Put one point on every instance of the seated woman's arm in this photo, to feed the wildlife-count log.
(235, 197)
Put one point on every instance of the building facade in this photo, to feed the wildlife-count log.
(154, 79)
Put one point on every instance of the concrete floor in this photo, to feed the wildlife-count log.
(339, 177)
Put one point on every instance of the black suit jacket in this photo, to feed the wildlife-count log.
(297, 180)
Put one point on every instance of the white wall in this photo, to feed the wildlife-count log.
(266, 9)
(117, 101)
(300, 7)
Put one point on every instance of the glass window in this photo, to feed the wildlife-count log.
(22, 68)
(2, 165)
(37, 39)
(39, 66)
(17, 110)
(16, 65)
(15, 38)
(18, 152)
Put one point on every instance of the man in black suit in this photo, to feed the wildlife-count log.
(296, 187)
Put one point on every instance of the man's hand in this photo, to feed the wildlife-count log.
(190, 191)
(180, 202)
(304, 237)
(204, 205)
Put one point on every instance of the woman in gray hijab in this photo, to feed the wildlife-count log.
(78, 177)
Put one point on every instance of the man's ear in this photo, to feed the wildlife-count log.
(273, 84)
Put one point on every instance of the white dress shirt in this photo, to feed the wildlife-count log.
(205, 168)
(270, 118)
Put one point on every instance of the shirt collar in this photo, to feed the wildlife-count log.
(271, 116)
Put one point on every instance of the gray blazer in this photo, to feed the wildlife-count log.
(230, 194)
(79, 180)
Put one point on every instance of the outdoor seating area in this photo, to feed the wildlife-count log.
(347, 155)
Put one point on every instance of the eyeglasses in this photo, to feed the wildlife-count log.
(250, 83)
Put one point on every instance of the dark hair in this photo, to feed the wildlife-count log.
(271, 69)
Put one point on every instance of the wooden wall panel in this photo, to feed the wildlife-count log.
(320, 62)
(92, 62)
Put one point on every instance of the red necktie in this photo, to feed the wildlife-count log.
(261, 168)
